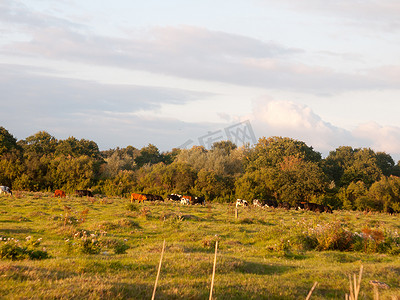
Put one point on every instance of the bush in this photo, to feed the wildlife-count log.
(132, 207)
(16, 250)
(86, 242)
(333, 236)
(90, 246)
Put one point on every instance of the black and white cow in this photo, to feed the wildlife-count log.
(5, 190)
(199, 200)
(271, 203)
(174, 197)
(241, 202)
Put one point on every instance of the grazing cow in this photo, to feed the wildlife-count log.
(151, 197)
(271, 203)
(327, 209)
(5, 189)
(138, 197)
(59, 193)
(257, 203)
(284, 205)
(317, 207)
(300, 205)
(390, 210)
(241, 202)
(81, 193)
(199, 200)
(185, 201)
(174, 197)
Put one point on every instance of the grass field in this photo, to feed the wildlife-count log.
(263, 254)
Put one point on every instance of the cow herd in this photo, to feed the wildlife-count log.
(190, 200)
(286, 205)
(183, 199)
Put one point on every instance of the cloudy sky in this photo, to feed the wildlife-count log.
(176, 73)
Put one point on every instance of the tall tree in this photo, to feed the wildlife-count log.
(269, 152)
(7, 141)
(41, 143)
(148, 155)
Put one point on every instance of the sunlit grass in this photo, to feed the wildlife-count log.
(257, 256)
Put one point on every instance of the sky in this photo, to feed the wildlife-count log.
(181, 73)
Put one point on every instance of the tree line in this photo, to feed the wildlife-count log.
(279, 168)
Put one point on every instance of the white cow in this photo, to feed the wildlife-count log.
(185, 201)
(5, 189)
(257, 203)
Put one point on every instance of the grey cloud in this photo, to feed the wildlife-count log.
(19, 86)
(378, 14)
(189, 52)
(32, 102)
(204, 55)
(18, 14)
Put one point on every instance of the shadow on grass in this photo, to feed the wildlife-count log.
(16, 230)
(251, 267)
(22, 273)
(163, 291)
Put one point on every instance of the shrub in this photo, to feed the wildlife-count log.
(332, 236)
(90, 246)
(86, 242)
(132, 207)
(16, 250)
(118, 246)
(174, 221)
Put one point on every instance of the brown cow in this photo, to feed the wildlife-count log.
(59, 193)
(138, 197)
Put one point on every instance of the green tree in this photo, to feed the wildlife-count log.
(226, 146)
(213, 186)
(7, 141)
(258, 184)
(353, 196)
(346, 165)
(272, 151)
(117, 162)
(72, 173)
(39, 144)
(75, 148)
(148, 155)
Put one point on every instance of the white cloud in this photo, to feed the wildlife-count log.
(286, 118)
(378, 137)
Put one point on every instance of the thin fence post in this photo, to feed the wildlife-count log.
(311, 291)
(158, 272)
(236, 213)
(213, 274)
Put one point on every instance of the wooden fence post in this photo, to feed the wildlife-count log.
(311, 291)
(213, 274)
(158, 272)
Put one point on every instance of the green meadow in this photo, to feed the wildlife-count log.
(109, 248)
